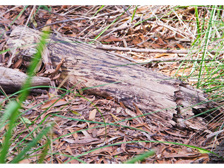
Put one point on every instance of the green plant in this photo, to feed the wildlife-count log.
(110, 24)
(207, 69)
(141, 157)
(11, 113)
(201, 67)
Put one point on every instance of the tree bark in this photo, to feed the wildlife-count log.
(11, 80)
(97, 72)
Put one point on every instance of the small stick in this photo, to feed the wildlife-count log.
(158, 59)
(106, 47)
(62, 21)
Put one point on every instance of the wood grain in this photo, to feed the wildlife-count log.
(107, 75)
(11, 80)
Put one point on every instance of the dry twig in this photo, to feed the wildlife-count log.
(106, 47)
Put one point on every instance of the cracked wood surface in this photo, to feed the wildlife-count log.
(169, 100)
(11, 80)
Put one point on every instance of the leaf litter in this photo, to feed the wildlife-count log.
(78, 125)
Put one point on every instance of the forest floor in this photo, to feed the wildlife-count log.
(79, 134)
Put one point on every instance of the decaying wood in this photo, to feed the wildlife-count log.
(168, 100)
(11, 80)
(220, 151)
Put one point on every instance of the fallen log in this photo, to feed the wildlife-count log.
(11, 80)
(97, 72)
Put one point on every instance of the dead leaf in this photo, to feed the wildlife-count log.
(114, 117)
(122, 105)
(101, 132)
(86, 134)
(123, 146)
(80, 141)
(165, 55)
(75, 135)
(112, 39)
(49, 72)
(154, 45)
(48, 112)
(76, 113)
(136, 150)
(104, 150)
(83, 125)
(139, 112)
(180, 46)
(68, 140)
(54, 103)
(74, 162)
(132, 114)
(25, 161)
(160, 41)
(92, 115)
(69, 150)
(182, 155)
(18, 63)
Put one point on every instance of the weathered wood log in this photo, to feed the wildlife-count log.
(220, 151)
(11, 80)
(104, 74)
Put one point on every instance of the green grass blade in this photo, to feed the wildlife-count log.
(197, 22)
(44, 151)
(208, 31)
(110, 24)
(133, 15)
(33, 143)
(165, 142)
(12, 113)
(13, 107)
(98, 10)
(18, 15)
(141, 157)
(8, 113)
(34, 63)
(198, 27)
